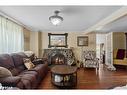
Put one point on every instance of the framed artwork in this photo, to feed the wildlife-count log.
(57, 40)
(82, 41)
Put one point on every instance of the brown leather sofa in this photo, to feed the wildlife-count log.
(22, 78)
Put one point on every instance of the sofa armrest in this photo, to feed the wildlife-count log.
(10, 81)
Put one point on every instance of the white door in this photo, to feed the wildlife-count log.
(109, 49)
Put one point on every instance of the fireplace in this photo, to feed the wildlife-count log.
(59, 56)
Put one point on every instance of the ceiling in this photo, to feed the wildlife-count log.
(119, 25)
(76, 18)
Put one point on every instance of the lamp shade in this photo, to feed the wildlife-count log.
(55, 19)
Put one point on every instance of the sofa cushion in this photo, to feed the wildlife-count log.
(120, 54)
(4, 72)
(30, 77)
(30, 72)
(28, 64)
(15, 71)
(18, 58)
(6, 61)
(21, 68)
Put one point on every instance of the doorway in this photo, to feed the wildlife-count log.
(100, 47)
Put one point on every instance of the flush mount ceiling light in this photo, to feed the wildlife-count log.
(55, 19)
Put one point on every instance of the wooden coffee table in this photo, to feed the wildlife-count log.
(64, 75)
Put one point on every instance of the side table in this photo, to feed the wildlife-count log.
(64, 76)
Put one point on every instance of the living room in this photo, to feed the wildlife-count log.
(63, 47)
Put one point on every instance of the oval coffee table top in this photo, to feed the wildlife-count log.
(63, 69)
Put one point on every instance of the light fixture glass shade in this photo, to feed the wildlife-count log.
(56, 20)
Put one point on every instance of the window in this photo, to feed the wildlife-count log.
(11, 36)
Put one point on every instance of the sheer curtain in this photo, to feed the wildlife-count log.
(11, 36)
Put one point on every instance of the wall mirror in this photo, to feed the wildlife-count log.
(57, 40)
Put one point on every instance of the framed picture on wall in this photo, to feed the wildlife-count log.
(82, 41)
(57, 40)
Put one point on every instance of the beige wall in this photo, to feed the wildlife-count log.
(31, 41)
(119, 40)
(72, 42)
(34, 42)
(40, 44)
(38, 41)
(26, 39)
(91, 45)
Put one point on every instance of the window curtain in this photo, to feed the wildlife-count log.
(11, 36)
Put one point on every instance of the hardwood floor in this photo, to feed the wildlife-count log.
(91, 79)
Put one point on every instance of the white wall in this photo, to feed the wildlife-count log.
(109, 48)
(100, 38)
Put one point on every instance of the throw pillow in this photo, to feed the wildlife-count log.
(120, 54)
(4, 72)
(28, 64)
(30, 55)
(38, 61)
